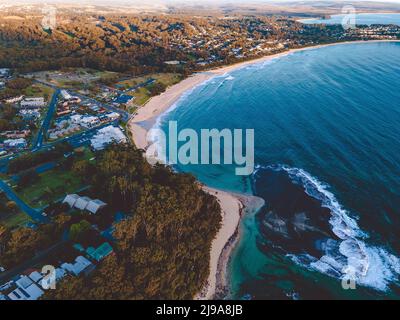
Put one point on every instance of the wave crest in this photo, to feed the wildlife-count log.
(369, 266)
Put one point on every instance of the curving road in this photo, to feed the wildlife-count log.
(46, 122)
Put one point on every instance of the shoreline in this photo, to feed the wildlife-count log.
(231, 211)
(341, 13)
(160, 104)
(233, 206)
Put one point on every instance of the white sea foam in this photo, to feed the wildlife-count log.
(371, 266)
(161, 118)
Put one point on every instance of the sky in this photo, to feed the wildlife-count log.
(172, 1)
(154, 2)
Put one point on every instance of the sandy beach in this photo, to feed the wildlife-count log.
(232, 205)
(231, 209)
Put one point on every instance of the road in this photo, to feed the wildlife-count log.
(40, 257)
(82, 138)
(35, 214)
(46, 122)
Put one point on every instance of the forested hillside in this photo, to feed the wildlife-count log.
(162, 248)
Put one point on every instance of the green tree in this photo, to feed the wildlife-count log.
(78, 230)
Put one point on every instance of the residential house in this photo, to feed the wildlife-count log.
(84, 203)
(15, 143)
(33, 103)
(101, 252)
(26, 290)
(95, 205)
(16, 134)
(14, 99)
(71, 199)
(65, 95)
(123, 99)
(106, 136)
(81, 265)
(5, 72)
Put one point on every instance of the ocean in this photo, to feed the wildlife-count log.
(327, 154)
(361, 19)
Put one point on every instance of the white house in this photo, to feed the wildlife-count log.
(15, 143)
(33, 103)
(89, 121)
(65, 95)
(81, 264)
(113, 116)
(36, 276)
(71, 199)
(106, 136)
(4, 72)
(27, 290)
(82, 203)
(172, 62)
(95, 205)
(14, 99)
(85, 121)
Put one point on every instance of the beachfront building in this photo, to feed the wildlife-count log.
(123, 99)
(106, 136)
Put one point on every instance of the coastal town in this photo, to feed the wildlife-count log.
(59, 118)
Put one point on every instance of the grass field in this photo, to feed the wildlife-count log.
(11, 219)
(52, 185)
(74, 78)
(38, 90)
(142, 95)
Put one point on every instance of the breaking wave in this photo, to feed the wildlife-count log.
(350, 257)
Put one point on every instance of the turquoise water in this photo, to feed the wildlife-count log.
(361, 19)
(327, 149)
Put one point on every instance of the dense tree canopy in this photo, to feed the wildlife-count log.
(162, 248)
